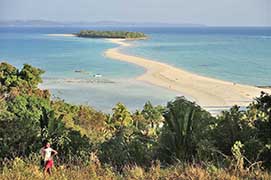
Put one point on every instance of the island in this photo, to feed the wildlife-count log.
(111, 34)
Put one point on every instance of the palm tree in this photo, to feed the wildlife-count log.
(185, 123)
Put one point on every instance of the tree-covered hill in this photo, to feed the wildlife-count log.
(178, 141)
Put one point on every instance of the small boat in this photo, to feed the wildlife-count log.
(97, 75)
(79, 71)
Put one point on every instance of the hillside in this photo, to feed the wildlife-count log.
(177, 141)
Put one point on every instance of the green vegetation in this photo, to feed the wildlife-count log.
(111, 34)
(179, 141)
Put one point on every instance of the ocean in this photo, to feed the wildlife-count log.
(240, 55)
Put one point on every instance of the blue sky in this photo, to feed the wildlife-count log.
(208, 12)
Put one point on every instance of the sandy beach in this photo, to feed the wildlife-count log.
(207, 92)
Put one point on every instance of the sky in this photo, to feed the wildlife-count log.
(207, 12)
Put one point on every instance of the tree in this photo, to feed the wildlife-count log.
(21, 125)
(31, 75)
(186, 125)
(152, 114)
(258, 117)
(229, 129)
(8, 77)
(121, 116)
(14, 82)
(252, 127)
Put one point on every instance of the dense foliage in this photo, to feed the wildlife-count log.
(111, 34)
(236, 143)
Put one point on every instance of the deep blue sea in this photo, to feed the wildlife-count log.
(241, 55)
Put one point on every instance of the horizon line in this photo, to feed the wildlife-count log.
(107, 23)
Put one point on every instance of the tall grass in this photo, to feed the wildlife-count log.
(19, 169)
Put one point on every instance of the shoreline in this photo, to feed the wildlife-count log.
(206, 91)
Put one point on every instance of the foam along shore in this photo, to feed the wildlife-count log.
(62, 35)
(208, 92)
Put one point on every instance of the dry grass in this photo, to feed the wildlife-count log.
(20, 170)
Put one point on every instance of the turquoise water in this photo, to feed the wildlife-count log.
(60, 57)
(239, 55)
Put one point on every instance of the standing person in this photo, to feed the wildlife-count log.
(47, 154)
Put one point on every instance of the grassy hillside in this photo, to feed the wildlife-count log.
(177, 141)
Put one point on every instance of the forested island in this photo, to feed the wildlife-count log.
(177, 141)
(111, 34)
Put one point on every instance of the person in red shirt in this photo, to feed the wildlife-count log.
(47, 154)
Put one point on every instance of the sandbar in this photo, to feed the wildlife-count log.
(205, 91)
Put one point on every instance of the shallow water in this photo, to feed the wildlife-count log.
(61, 57)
